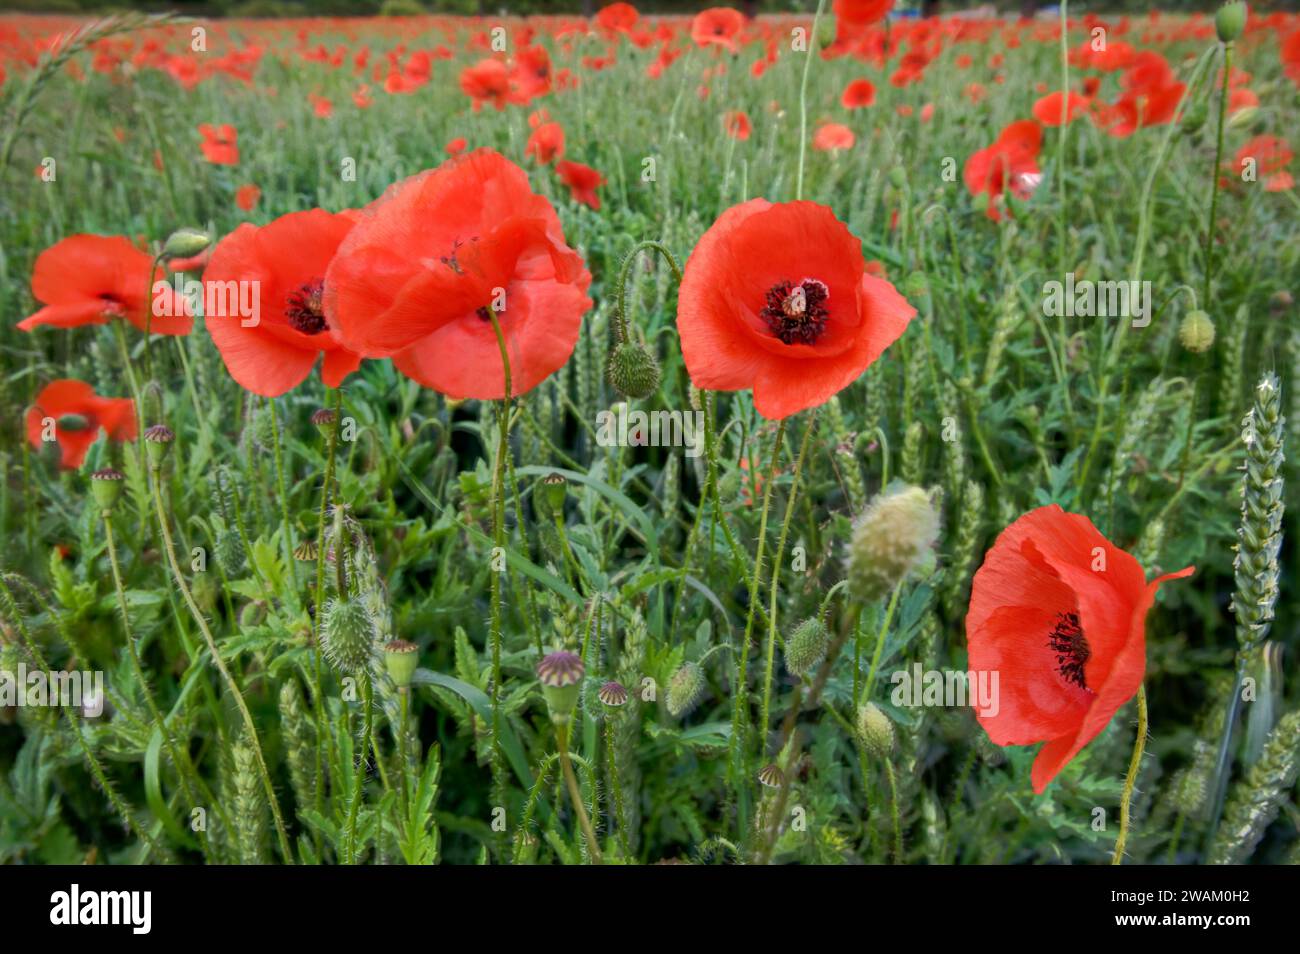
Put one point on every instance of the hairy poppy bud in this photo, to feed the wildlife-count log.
(612, 694)
(891, 539)
(157, 442)
(898, 177)
(632, 370)
(875, 730)
(1196, 331)
(106, 488)
(401, 659)
(348, 635)
(806, 646)
(560, 674)
(185, 243)
(685, 690)
(1230, 21)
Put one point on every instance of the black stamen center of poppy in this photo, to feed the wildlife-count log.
(796, 312)
(1072, 651)
(304, 309)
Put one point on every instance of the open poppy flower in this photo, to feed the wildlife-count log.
(220, 144)
(617, 17)
(776, 298)
(717, 26)
(1057, 108)
(273, 350)
(1010, 163)
(737, 124)
(833, 137)
(79, 414)
(1059, 612)
(546, 143)
(89, 279)
(487, 81)
(415, 279)
(859, 93)
(582, 182)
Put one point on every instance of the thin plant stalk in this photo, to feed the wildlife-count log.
(1139, 745)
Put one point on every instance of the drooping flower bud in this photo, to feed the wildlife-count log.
(686, 689)
(560, 674)
(348, 635)
(1230, 21)
(806, 646)
(106, 488)
(1196, 331)
(632, 370)
(401, 659)
(157, 442)
(185, 243)
(892, 538)
(875, 730)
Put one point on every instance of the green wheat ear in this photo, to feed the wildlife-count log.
(1259, 537)
(1256, 798)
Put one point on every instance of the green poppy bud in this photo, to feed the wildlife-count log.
(875, 730)
(1196, 331)
(686, 689)
(632, 370)
(806, 646)
(891, 540)
(1230, 21)
(348, 635)
(185, 243)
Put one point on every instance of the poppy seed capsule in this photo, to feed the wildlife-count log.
(157, 442)
(806, 646)
(560, 674)
(1230, 21)
(632, 370)
(891, 538)
(612, 694)
(323, 419)
(552, 489)
(348, 635)
(306, 552)
(771, 776)
(875, 730)
(106, 488)
(685, 690)
(1196, 331)
(185, 243)
(401, 659)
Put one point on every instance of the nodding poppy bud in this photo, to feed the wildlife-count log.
(185, 243)
(1196, 331)
(898, 177)
(632, 370)
(1243, 117)
(806, 646)
(324, 419)
(612, 694)
(106, 488)
(685, 690)
(157, 442)
(893, 537)
(875, 730)
(560, 674)
(401, 659)
(348, 635)
(551, 491)
(1230, 21)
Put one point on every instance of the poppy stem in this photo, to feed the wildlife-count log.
(498, 547)
(1139, 745)
(803, 99)
(620, 299)
(1214, 174)
(284, 499)
(575, 793)
(318, 601)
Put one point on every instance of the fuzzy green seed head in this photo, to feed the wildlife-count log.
(686, 689)
(893, 538)
(1196, 331)
(806, 646)
(186, 243)
(1230, 21)
(348, 635)
(633, 370)
(875, 730)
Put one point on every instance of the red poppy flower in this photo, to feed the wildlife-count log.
(487, 81)
(1010, 163)
(859, 93)
(246, 197)
(220, 144)
(776, 298)
(321, 106)
(717, 26)
(88, 279)
(273, 350)
(456, 146)
(861, 13)
(417, 275)
(1271, 155)
(832, 137)
(78, 415)
(546, 143)
(617, 17)
(1059, 612)
(737, 124)
(582, 182)
(1048, 110)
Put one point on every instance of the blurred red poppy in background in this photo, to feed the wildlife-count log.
(859, 93)
(1059, 612)
(582, 182)
(89, 279)
(832, 137)
(617, 17)
(737, 125)
(776, 298)
(1267, 158)
(717, 26)
(77, 415)
(418, 274)
(220, 144)
(487, 81)
(273, 351)
(546, 143)
(1010, 163)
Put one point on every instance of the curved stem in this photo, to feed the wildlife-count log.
(1131, 780)
(620, 298)
(575, 794)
